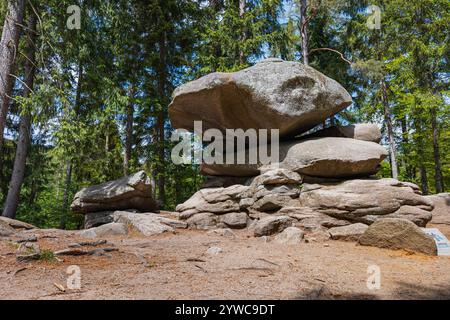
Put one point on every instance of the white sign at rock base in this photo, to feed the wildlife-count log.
(442, 243)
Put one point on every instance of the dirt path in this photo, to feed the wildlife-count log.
(178, 267)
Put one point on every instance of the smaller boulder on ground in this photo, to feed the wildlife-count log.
(391, 233)
(291, 235)
(271, 225)
(106, 230)
(148, 224)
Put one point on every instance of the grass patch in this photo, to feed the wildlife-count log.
(47, 255)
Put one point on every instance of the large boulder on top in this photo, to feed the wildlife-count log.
(398, 234)
(319, 157)
(367, 200)
(361, 131)
(131, 192)
(273, 94)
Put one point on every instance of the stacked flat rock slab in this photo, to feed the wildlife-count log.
(99, 202)
(362, 131)
(342, 207)
(366, 200)
(131, 192)
(328, 157)
(232, 206)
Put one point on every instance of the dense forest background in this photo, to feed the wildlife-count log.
(89, 105)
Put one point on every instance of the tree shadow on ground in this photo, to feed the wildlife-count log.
(421, 292)
(404, 291)
(324, 293)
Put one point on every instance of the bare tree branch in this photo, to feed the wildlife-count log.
(333, 50)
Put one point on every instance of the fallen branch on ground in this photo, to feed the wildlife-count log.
(80, 252)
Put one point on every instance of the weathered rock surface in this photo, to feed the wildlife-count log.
(204, 221)
(148, 223)
(273, 94)
(327, 157)
(310, 220)
(96, 219)
(333, 157)
(132, 192)
(441, 211)
(230, 207)
(311, 207)
(277, 177)
(208, 220)
(395, 234)
(213, 200)
(222, 182)
(235, 220)
(366, 200)
(290, 235)
(271, 225)
(6, 230)
(106, 230)
(16, 224)
(348, 233)
(361, 131)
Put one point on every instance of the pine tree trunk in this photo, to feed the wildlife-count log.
(65, 204)
(420, 154)
(390, 131)
(128, 134)
(405, 143)
(242, 4)
(18, 174)
(8, 53)
(439, 181)
(161, 119)
(304, 30)
(33, 193)
(424, 179)
(68, 178)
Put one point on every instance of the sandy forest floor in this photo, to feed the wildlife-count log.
(177, 267)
